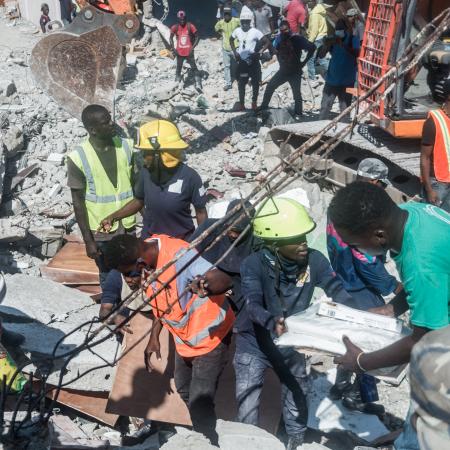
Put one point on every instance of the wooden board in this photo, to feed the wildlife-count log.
(141, 394)
(71, 265)
(93, 404)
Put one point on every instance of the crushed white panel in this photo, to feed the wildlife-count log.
(308, 330)
(342, 312)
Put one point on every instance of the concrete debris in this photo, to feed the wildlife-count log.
(44, 311)
(166, 92)
(9, 232)
(7, 88)
(13, 141)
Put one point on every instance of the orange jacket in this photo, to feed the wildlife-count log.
(201, 326)
(441, 150)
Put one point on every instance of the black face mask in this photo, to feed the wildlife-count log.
(159, 173)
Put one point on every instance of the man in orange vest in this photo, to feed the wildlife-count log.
(193, 307)
(435, 154)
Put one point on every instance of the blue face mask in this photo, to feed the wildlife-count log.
(340, 33)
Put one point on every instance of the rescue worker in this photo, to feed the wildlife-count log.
(99, 172)
(165, 187)
(435, 154)
(225, 27)
(200, 320)
(187, 40)
(417, 235)
(247, 43)
(278, 281)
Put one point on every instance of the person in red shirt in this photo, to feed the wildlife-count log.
(187, 40)
(295, 13)
(45, 19)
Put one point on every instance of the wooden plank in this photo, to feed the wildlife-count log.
(71, 265)
(93, 404)
(138, 393)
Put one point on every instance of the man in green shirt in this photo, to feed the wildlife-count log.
(417, 235)
(225, 27)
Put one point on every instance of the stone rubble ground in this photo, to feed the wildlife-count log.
(35, 130)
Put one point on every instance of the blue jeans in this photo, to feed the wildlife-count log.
(249, 369)
(322, 62)
(408, 439)
(443, 191)
(228, 66)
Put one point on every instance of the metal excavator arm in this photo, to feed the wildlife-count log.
(80, 64)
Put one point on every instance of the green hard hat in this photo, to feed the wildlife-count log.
(282, 219)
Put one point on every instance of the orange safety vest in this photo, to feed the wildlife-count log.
(441, 151)
(201, 326)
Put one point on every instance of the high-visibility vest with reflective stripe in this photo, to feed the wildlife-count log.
(101, 197)
(441, 151)
(202, 325)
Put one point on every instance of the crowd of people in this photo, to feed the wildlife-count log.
(262, 270)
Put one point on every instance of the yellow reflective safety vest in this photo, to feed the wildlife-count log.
(101, 197)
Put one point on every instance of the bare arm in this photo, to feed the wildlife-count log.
(131, 208)
(201, 215)
(171, 41)
(153, 345)
(396, 307)
(81, 215)
(426, 153)
(397, 353)
(196, 40)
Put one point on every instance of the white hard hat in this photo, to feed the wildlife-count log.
(246, 15)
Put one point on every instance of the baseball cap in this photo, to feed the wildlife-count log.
(181, 14)
(374, 169)
(227, 9)
(351, 12)
(430, 388)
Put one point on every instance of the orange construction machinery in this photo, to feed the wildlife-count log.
(390, 24)
(81, 63)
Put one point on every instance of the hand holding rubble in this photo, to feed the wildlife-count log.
(106, 224)
(280, 326)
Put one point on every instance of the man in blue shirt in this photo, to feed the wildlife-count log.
(278, 281)
(342, 69)
(288, 48)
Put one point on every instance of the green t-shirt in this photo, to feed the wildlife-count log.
(226, 28)
(424, 264)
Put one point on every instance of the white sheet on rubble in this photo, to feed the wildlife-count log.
(326, 415)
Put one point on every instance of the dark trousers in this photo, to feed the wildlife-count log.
(294, 80)
(244, 72)
(329, 96)
(196, 380)
(249, 369)
(101, 264)
(190, 59)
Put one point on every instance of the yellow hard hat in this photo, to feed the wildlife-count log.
(160, 135)
(282, 219)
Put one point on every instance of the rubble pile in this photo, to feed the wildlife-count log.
(36, 135)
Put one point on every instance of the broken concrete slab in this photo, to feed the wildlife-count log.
(7, 88)
(44, 312)
(11, 233)
(234, 436)
(165, 92)
(13, 141)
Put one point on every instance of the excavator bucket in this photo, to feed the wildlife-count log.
(80, 65)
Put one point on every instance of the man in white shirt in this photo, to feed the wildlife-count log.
(251, 42)
(264, 18)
